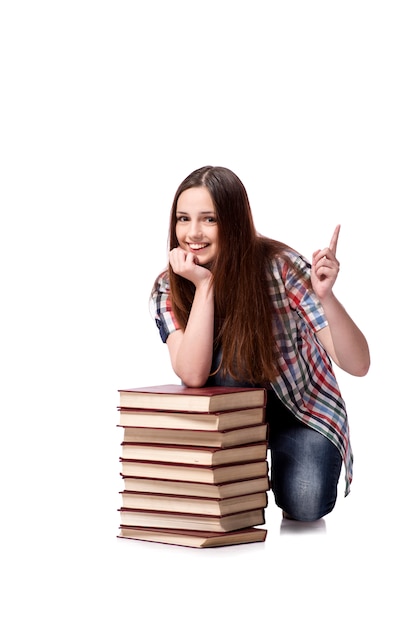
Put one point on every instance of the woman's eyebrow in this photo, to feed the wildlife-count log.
(208, 212)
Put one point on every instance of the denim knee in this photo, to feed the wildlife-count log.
(305, 500)
(305, 470)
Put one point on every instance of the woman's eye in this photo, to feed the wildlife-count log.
(182, 218)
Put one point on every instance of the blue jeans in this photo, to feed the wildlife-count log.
(305, 465)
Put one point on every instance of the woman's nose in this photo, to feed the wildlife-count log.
(195, 229)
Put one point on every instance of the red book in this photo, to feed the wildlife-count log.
(192, 521)
(194, 455)
(216, 421)
(193, 538)
(194, 399)
(188, 437)
(193, 504)
(208, 475)
(202, 490)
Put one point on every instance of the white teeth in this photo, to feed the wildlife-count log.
(197, 246)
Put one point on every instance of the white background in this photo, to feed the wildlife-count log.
(105, 108)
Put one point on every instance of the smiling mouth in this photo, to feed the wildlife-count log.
(197, 246)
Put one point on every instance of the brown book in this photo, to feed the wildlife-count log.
(191, 521)
(202, 490)
(205, 438)
(193, 539)
(194, 455)
(219, 420)
(197, 399)
(193, 504)
(194, 473)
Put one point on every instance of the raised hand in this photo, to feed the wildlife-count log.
(325, 267)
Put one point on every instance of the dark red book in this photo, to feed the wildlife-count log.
(193, 399)
(192, 521)
(193, 538)
(194, 455)
(188, 437)
(193, 504)
(207, 474)
(216, 421)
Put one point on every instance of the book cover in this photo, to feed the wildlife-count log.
(193, 539)
(194, 455)
(202, 490)
(198, 399)
(188, 437)
(211, 475)
(219, 420)
(191, 521)
(193, 504)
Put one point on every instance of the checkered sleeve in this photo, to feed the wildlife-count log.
(302, 299)
(161, 308)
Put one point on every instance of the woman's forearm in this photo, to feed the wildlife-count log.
(191, 350)
(349, 345)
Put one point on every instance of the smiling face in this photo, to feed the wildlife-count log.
(196, 224)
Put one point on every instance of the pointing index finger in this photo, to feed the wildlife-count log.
(334, 239)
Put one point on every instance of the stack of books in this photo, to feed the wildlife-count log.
(193, 464)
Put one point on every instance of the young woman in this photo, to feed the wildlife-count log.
(237, 308)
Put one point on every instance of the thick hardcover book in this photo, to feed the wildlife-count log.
(219, 420)
(202, 490)
(194, 455)
(193, 539)
(205, 438)
(192, 521)
(194, 473)
(193, 504)
(197, 399)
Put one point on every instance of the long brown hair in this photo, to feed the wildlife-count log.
(243, 305)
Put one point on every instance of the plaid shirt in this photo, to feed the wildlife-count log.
(306, 385)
